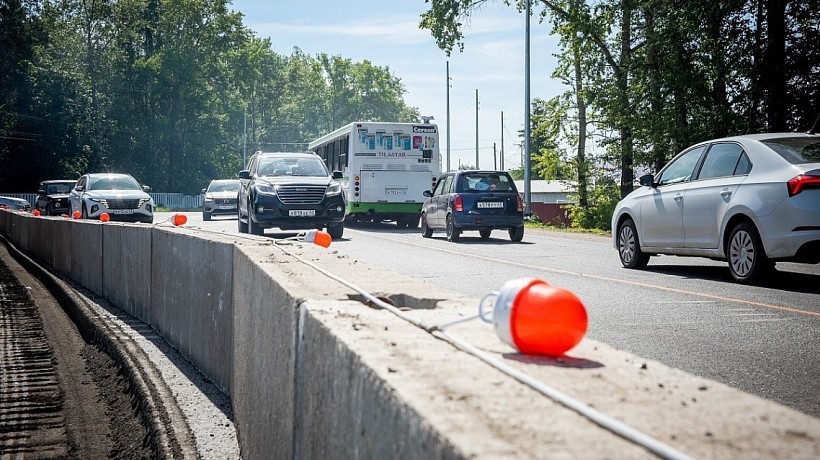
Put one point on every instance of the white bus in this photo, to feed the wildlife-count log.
(386, 168)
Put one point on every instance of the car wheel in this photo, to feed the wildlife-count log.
(629, 248)
(48, 210)
(485, 233)
(747, 259)
(426, 231)
(243, 226)
(84, 212)
(336, 231)
(253, 227)
(516, 234)
(206, 216)
(453, 232)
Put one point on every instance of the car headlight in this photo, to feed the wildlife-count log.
(101, 201)
(209, 200)
(266, 188)
(334, 188)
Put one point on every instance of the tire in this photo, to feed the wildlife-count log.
(453, 232)
(243, 226)
(206, 216)
(412, 222)
(485, 233)
(629, 248)
(426, 231)
(747, 259)
(254, 228)
(336, 231)
(48, 211)
(84, 212)
(516, 234)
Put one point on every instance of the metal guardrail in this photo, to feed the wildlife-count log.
(165, 200)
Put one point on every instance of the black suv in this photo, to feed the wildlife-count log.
(290, 191)
(52, 197)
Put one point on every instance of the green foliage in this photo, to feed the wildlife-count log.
(657, 76)
(163, 91)
(603, 197)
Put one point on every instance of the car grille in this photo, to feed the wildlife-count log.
(123, 204)
(301, 194)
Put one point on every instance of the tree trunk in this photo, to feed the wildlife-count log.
(775, 65)
(583, 200)
(622, 84)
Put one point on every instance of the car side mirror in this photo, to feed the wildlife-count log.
(79, 188)
(41, 192)
(428, 193)
(244, 174)
(648, 180)
(338, 175)
(203, 191)
(146, 189)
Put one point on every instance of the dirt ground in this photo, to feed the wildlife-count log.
(88, 412)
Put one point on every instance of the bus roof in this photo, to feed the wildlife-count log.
(348, 128)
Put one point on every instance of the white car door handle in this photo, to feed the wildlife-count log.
(678, 197)
(726, 193)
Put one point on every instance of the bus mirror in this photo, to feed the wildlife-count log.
(337, 175)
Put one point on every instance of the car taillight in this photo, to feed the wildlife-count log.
(802, 182)
(520, 206)
(458, 204)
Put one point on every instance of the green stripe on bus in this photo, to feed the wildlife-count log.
(384, 207)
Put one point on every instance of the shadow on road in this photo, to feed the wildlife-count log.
(804, 283)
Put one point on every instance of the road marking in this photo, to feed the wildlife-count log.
(608, 278)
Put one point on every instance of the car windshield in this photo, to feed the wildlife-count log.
(113, 183)
(796, 150)
(479, 182)
(292, 167)
(224, 186)
(59, 188)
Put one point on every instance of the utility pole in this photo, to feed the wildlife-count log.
(527, 191)
(476, 129)
(501, 163)
(448, 116)
(495, 163)
(245, 139)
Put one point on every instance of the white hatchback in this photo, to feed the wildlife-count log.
(751, 200)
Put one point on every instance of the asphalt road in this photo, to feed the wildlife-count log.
(684, 312)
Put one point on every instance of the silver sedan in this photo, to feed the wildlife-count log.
(751, 200)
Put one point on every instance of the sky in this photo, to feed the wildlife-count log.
(387, 34)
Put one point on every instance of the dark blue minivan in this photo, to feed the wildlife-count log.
(473, 200)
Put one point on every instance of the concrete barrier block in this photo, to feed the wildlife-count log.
(41, 240)
(127, 268)
(346, 407)
(87, 254)
(191, 299)
(61, 234)
(262, 391)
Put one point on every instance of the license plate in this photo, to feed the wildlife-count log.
(302, 213)
(226, 207)
(121, 211)
(490, 204)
